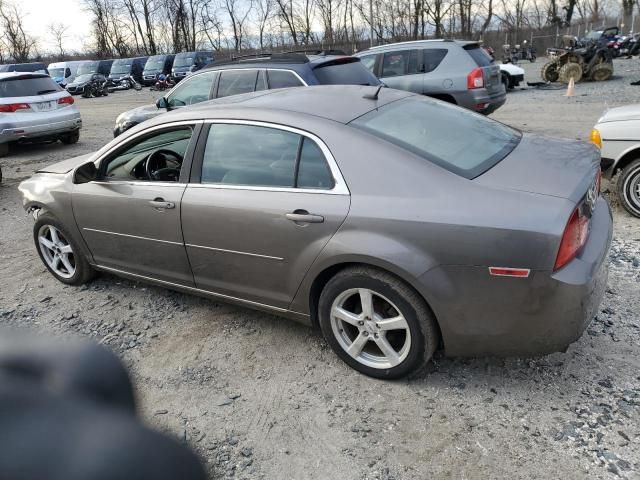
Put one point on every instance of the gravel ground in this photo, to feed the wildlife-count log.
(261, 397)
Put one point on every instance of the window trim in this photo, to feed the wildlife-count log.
(339, 185)
(187, 162)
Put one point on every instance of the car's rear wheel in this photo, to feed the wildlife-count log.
(376, 323)
(629, 188)
(71, 138)
(59, 252)
(4, 149)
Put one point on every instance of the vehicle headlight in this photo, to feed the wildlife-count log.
(595, 137)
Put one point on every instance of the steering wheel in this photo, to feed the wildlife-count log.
(157, 165)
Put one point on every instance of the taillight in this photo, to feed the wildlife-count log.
(14, 107)
(573, 239)
(475, 79)
(65, 100)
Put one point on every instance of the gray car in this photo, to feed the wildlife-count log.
(455, 71)
(395, 222)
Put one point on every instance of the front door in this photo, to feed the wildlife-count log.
(130, 218)
(266, 201)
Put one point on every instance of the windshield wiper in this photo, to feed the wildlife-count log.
(42, 92)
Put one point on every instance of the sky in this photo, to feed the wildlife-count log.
(39, 14)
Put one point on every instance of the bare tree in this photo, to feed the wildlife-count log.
(264, 12)
(238, 13)
(59, 33)
(18, 43)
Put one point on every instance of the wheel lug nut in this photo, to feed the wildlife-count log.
(375, 335)
(366, 334)
(360, 322)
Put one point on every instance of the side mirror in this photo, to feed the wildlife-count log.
(85, 173)
(162, 103)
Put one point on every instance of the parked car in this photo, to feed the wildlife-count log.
(125, 67)
(186, 63)
(249, 74)
(33, 108)
(511, 75)
(78, 86)
(102, 67)
(617, 133)
(366, 210)
(63, 72)
(156, 65)
(458, 72)
(36, 67)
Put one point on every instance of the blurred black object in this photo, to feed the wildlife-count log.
(67, 412)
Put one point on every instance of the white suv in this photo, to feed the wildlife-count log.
(34, 108)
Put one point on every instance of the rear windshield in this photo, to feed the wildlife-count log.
(27, 86)
(460, 141)
(345, 71)
(481, 57)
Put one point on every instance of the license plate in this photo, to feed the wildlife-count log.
(44, 106)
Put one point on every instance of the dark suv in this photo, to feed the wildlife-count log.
(244, 75)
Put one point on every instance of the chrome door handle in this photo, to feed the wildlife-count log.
(304, 218)
(160, 204)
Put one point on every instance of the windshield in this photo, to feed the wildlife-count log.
(594, 35)
(121, 66)
(460, 141)
(88, 67)
(183, 60)
(27, 86)
(155, 63)
(345, 71)
(56, 72)
(83, 78)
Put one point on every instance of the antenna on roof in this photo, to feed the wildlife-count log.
(373, 96)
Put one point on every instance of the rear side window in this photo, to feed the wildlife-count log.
(462, 142)
(283, 79)
(344, 71)
(479, 55)
(235, 82)
(313, 171)
(401, 62)
(27, 86)
(433, 57)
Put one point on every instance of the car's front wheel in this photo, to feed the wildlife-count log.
(376, 323)
(71, 138)
(629, 188)
(59, 252)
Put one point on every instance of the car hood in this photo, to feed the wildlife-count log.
(66, 165)
(511, 69)
(138, 115)
(546, 166)
(628, 112)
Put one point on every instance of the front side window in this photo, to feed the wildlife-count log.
(156, 157)
(192, 90)
(259, 156)
(462, 142)
(283, 79)
(235, 82)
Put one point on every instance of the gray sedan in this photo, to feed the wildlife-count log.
(395, 222)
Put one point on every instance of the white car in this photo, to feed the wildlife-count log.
(512, 75)
(617, 133)
(34, 108)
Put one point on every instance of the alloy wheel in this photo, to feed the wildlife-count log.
(56, 251)
(631, 189)
(370, 328)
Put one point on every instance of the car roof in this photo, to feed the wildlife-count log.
(291, 60)
(339, 103)
(417, 43)
(5, 75)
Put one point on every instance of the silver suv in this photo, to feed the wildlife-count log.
(455, 71)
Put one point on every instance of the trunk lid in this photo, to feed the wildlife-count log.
(546, 166)
(490, 69)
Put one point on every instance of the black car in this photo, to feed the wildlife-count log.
(249, 74)
(156, 65)
(81, 81)
(189, 62)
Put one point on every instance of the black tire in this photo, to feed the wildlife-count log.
(601, 72)
(4, 149)
(83, 270)
(506, 81)
(629, 188)
(568, 71)
(71, 138)
(424, 336)
(549, 72)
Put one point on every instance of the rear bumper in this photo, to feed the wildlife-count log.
(479, 100)
(483, 315)
(51, 127)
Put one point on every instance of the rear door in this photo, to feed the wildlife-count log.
(263, 202)
(490, 69)
(403, 69)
